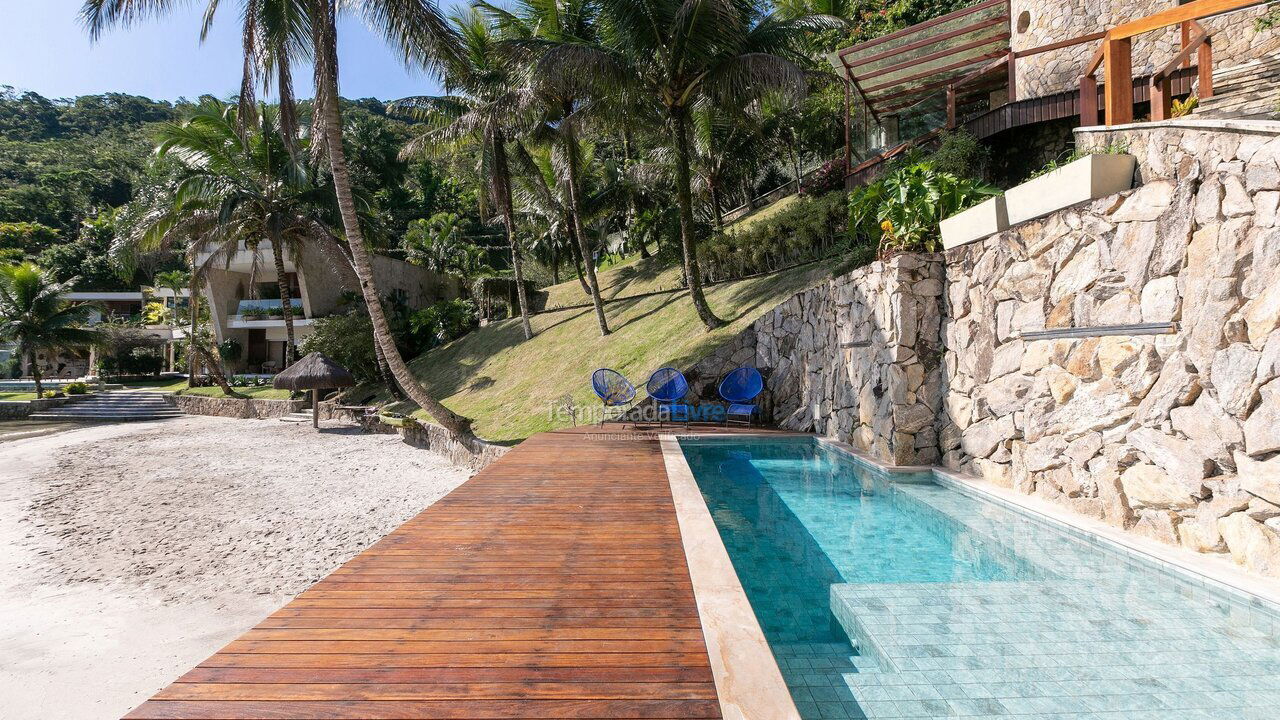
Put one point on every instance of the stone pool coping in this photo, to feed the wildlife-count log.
(748, 681)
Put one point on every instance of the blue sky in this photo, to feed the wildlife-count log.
(44, 48)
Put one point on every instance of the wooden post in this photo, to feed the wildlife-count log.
(951, 106)
(848, 147)
(1185, 29)
(1161, 98)
(1117, 66)
(1204, 69)
(1012, 70)
(1088, 101)
(315, 408)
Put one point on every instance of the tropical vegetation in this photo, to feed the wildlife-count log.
(35, 318)
(570, 134)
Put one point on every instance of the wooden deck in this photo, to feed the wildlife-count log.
(551, 585)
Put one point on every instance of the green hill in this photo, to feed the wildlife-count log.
(512, 387)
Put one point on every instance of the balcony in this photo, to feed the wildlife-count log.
(250, 314)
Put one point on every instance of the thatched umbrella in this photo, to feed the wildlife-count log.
(314, 372)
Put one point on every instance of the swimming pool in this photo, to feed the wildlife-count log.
(898, 599)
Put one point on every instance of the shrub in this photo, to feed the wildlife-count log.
(347, 339)
(50, 394)
(829, 177)
(809, 229)
(230, 350)
(444, 321)
(962, 155)
(901, 211)
(140, 360)
(76, 388)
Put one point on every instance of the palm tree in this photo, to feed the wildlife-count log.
(35, 317)
(676, 55)
(255, 185)
(484, 108)
(414, 27)
(175, 281)
(534, 25)
(417, 28)
(273, 34)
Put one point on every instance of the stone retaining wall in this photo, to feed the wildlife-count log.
(244, 408)
(856, 358)
(18, 409)
(1174, 436)
(478, 455)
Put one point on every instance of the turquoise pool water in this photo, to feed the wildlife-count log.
(909, 599)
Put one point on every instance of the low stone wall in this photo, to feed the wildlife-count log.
(477, 455)
(856, 358)
(1175, 435)
(19, 409)
(243, 408)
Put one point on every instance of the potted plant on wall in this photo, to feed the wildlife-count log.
(1082, 177)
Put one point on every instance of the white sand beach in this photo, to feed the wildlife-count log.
(133, 552)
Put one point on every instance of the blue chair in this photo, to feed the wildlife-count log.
(739, 388)
(614, 390)
(668, 387)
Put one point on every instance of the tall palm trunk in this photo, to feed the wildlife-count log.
(632, 212)
(35, 374)
(502, 189)
(555, 262)
(384, 374)
(193, 307)
(286, 298)
(715, 204)
(576, 251)
(575, 209)
(688, 243)
(326, 64)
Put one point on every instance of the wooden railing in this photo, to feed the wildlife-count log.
(1200, 44)
(1115, 57)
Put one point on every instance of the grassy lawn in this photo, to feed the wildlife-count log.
(265, 392)
(16, 396)
(763, 213)
(510, 387)
(632, 278)
(159, 384)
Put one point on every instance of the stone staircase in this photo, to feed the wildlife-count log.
(117, 406)
(1247, 91)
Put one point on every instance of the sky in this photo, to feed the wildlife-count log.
(44, 48)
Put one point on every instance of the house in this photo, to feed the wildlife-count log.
(124, 308)
(247, 314)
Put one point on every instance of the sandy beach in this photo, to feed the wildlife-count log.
(132, 552)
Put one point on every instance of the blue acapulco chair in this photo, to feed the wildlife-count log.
(614, 390)
(739, 388)
(668, 387)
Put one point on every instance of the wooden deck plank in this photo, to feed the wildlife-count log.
(551, 585)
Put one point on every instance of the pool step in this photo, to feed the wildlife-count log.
(1045, 647)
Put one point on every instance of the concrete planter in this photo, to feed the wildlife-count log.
(979, 221)
(1089, 178)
